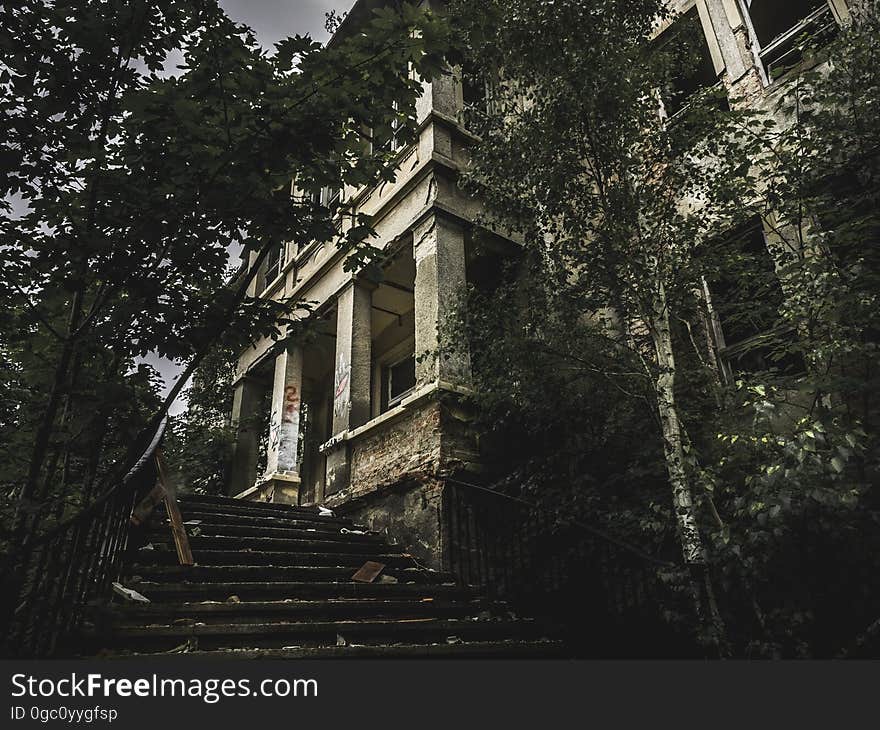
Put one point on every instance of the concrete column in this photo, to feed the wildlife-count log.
(246, 402)
(351, 381)
(438, 247)
(283, 451)
(723, 24)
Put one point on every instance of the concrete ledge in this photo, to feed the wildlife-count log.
(425, 393)
(247, 493)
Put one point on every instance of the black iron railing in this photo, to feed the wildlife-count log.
(525, 555)
(48, 581)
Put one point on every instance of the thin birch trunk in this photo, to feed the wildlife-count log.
(689, 534)
(673, 446)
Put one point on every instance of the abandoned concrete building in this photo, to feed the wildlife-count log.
(368, 416)
(365, 419)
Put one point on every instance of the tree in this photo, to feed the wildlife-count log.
(577, 155)
(132, 186)
(621, 210)
(200, 440)
(795, 459)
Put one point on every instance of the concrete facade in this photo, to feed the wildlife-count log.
(360, 420)
(367, 419)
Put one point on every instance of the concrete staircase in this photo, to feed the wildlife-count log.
(273, 580)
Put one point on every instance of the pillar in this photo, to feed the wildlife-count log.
(351, 381)
(724, 18)
(282, 456)
(438, 247)
(246, 402)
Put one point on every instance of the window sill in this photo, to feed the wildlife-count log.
(418, 397)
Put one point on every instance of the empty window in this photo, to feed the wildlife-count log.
(783, 28)
(744, 297)
(394, 141)
(400, 379)
(326, 196)
(273, 266)
(688, 63)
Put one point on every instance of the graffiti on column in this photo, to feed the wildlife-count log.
(341, 392)
(291, 404)
(289, 426)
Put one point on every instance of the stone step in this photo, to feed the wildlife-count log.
(368, 547)
(281, 520)
(508, 648)
(134, 614)
(278, 590)
(231, 529)
(276, 573)
(288, 572)
(168, 556)
(321, 633)
(242, 506)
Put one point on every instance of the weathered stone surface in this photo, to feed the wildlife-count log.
(411, 513)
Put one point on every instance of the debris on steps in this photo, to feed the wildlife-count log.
(279, 581)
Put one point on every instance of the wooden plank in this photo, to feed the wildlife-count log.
(368, 571)
(178, 531)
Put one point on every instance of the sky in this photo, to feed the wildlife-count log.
(271, 20)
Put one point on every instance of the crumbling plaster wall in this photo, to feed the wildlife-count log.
(398, 469)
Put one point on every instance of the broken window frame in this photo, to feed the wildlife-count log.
(710, 47)
(818, 25)
(273, 267)
(729, 354)
(479, 90)
(394, 144)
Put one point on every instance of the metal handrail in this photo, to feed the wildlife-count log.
(637, 551)
(99, 501)
(49, 579)
(514, 550)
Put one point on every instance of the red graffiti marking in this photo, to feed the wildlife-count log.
(291, 403)
(340, 388)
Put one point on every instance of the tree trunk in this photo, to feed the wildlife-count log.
(664, 386)
(673, 447)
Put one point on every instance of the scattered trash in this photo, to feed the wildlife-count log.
(191, 644)
(324, 512)
(129, 594)
(148, 546)
(340, 640)
(346, 531)
(368, 571)
(233, 599)
(387, 579)
(453, 640)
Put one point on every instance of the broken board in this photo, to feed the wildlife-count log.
(368, 571)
